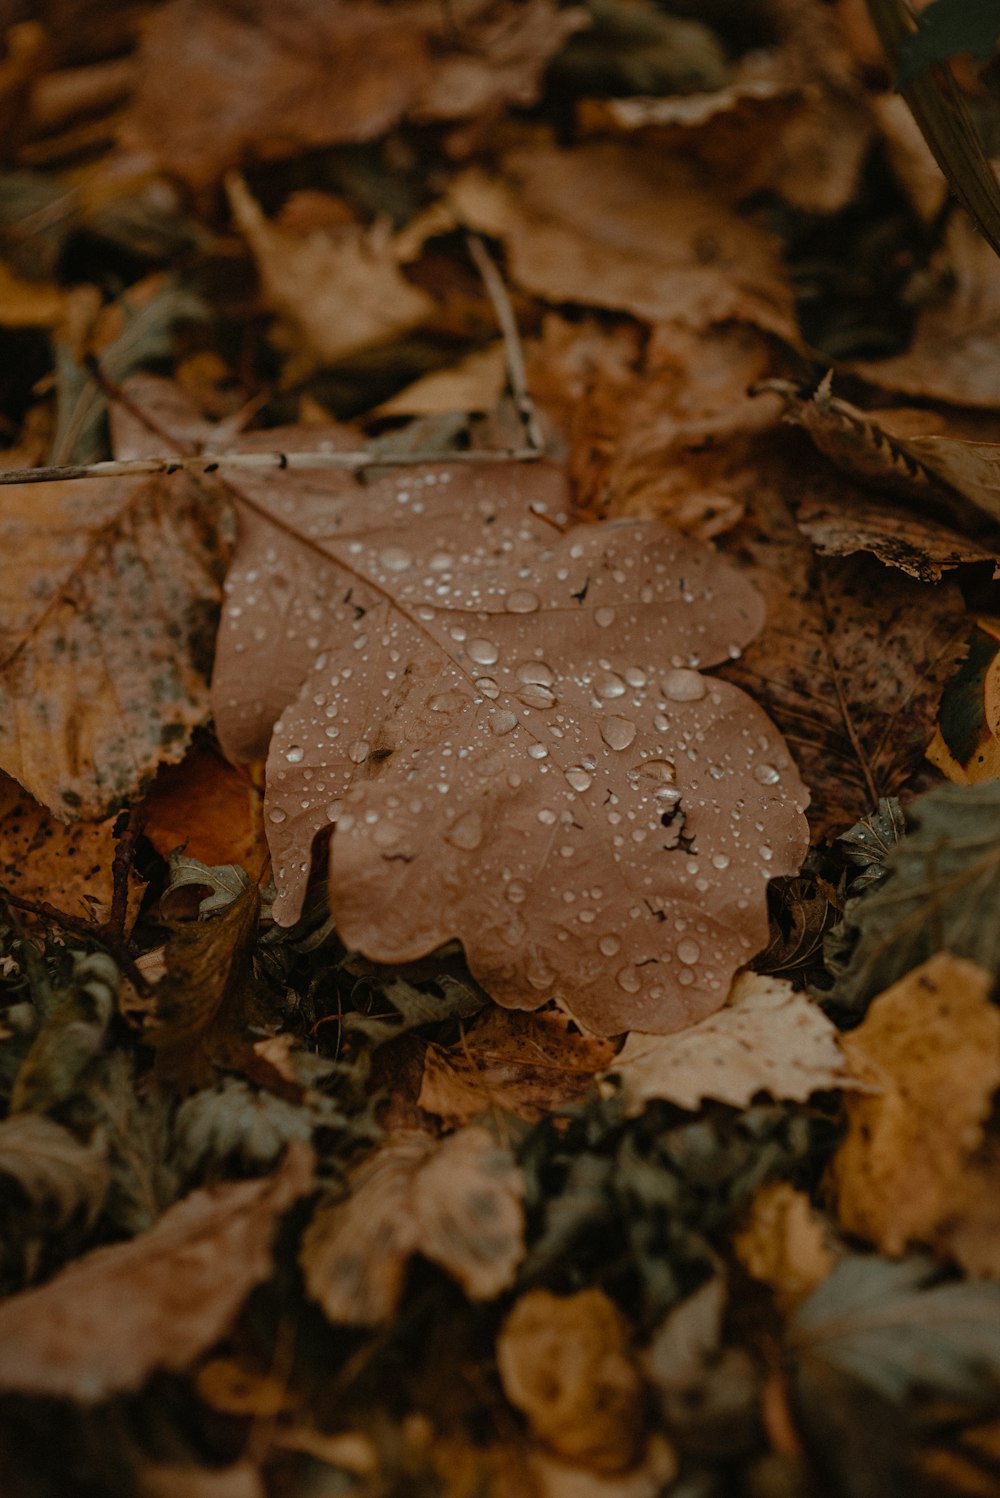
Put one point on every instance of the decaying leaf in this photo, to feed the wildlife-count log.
(923, 548)
(105, 634)
(966, 745)
(41, 857)
(503, 722)
(785, 1242)
(851, 661)
(205, 1000)
(768, 1038)
(564, 1363)
(631, 230)
(285, 78)
(106, 1323)
(525, 1064)
(867, 846)
(457, 1203)
(940, 892)
(340, 292)
(933, 1042)
(881, 1324)
(72, 1034)
(59, 1176)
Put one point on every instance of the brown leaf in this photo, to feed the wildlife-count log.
(933, 1040)
(768, 1039)
(68, 866)
(282, 78)
(525, 1064)
(955, 351)
(457, 1202)
(852, 659)
(629, 230)
(106, 1323)
(564, 1363)
(166, 1480)
(204, 1002)
(210, 809)
(922, 548)
(439, 629)
(105, 634)
(339, 293)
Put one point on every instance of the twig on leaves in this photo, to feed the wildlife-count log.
(516, 373)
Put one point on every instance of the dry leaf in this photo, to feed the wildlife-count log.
(457, 1202)
(112, 1318)
(768, 1039)
(59, 1176)
(629, 230)
(922, 548)
(43, 859)
(209, 809)
(852, 660)
(475, 384)
(651, 1479)
(340, 293)
(29, 304)
(933, 1040)
(166, 1480)
(204, 1002)
(966, 743)
(281, 78)
(105, 631)
(502, 720)
(564, 1363)
(525, 1064)
(785, 1243)
(955, 351)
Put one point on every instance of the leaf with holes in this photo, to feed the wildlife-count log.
(504, 721)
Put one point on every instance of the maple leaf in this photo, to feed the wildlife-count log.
(457, 1202)
(504, 724)
(103, 1325)
(105, 634)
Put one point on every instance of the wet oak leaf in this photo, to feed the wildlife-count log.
(503, 722)
(525, 1064)
(457, 1202)
(206, 999)
(105, 634)
(933, 1042)
(852, 658)
(106, 1323)
(768, 1038)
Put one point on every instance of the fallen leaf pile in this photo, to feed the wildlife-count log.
(499, 750)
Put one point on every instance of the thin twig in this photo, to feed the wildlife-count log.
(516, 373)
(202, 463)
(114, 926)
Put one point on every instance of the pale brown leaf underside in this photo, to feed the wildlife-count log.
(503, 721)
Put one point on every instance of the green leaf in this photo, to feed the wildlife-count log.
(946, 29)
(877, 1322)
(942, 891)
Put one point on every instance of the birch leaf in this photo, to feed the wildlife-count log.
(504, 721)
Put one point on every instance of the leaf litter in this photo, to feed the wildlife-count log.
(327, 1164)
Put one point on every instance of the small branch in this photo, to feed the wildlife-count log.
(114, 926)
(203, 463)
(516, 373)
(86, 931)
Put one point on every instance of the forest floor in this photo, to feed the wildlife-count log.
(500, 776)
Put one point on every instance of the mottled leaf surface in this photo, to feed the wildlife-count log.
(504, 722)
